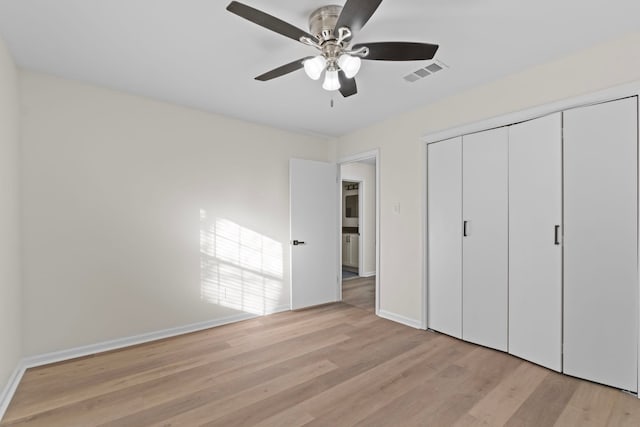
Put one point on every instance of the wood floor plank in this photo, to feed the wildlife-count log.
(336, 365)
(359, 362)
(484, 370)
(234, 402)
(116, 365)
(625, 412)
(157, 387)
(590, 406)
(360, 292)
(544, 406)
(344, 403)
(292, 417)
(468, 420)
(503, 401)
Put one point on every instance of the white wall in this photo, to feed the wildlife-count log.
(367, 219)
(141, 216)
(10, 288)
(402, 155)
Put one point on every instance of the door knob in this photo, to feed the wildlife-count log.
(297, 242)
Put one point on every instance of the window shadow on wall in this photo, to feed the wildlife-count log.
(239, 268)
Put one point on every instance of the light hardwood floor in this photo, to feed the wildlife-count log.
(360, 292)
(336, 365)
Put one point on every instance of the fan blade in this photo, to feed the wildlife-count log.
(285, 69)
(267, 21)
(347, 86)
(356, 13)
(398, 51)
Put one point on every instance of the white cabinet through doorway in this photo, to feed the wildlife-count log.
(350, 250)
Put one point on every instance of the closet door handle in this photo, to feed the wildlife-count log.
(464, 228)
(556, 235)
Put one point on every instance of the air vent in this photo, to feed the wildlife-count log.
(435, 67)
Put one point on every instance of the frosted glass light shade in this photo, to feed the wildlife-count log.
(349, 64)
(315, 66)
(331, 81)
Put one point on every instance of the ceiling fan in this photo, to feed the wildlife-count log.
(331, 29)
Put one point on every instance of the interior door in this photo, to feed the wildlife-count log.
(444, 195)
(485, 238)
(314, 233)
(535, 251)
(600, 248)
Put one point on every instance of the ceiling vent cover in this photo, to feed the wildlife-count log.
(435, 67)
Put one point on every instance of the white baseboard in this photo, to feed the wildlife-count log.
(11, 387)
(400, 319)
(368, 274)
(73, 353)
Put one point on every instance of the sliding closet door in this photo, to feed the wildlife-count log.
(600, 254)
(535, 252)
(485, 253)
(444, 189)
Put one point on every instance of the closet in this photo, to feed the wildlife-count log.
(532, 240)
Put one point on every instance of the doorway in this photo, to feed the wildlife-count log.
(351, 212)
(358, 230)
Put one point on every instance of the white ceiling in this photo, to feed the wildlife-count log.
(195, 53)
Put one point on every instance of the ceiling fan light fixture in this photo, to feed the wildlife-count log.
(315, 66)
(349, 64)
(331, 81)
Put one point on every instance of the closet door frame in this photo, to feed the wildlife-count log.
(606, 95)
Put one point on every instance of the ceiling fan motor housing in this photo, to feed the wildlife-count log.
(322, 22)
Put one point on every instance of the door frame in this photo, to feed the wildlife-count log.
(597, 97)
(361, 197)
(355, 158)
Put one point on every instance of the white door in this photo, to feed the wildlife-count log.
(600, 243)
(535, 251)
(485, 241)
(314, 233)
(444, 195)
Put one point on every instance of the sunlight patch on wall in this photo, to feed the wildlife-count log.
(239, 268)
